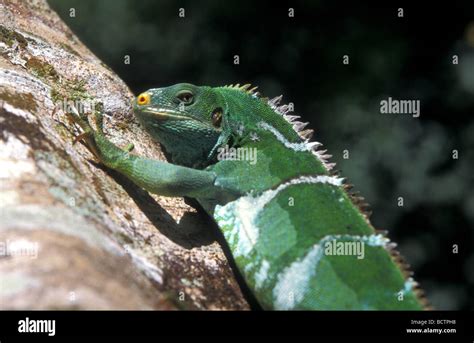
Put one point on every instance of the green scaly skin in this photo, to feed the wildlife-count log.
(279, 212)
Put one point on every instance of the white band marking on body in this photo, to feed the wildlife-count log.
(294, 281)
(242, 213)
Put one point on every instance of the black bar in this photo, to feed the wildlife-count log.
(157, 323)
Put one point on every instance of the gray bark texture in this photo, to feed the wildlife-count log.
(74, 235)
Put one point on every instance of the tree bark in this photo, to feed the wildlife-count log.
(74, 235)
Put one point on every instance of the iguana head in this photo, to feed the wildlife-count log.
(192, 122)
(185, 118)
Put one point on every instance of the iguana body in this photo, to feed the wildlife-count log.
(279, 212)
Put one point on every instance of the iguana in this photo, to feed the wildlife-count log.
(280, 211)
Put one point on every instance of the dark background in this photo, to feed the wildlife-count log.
(391, 155)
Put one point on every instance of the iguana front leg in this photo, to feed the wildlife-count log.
(154, 176)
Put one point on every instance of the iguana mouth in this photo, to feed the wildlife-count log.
(164, 113)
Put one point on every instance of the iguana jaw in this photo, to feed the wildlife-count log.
(164, 113)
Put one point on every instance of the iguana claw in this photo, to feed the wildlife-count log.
(94, 139)
(89, 135)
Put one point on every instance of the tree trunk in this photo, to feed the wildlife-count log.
(74, 235)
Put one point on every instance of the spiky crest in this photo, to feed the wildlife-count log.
(298, 126)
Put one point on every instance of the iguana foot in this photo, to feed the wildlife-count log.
(95, 141)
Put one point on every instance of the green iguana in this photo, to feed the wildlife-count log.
(290, 221)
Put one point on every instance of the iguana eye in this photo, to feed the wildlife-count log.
(185, 97)
(216, 117)
(143, 99)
